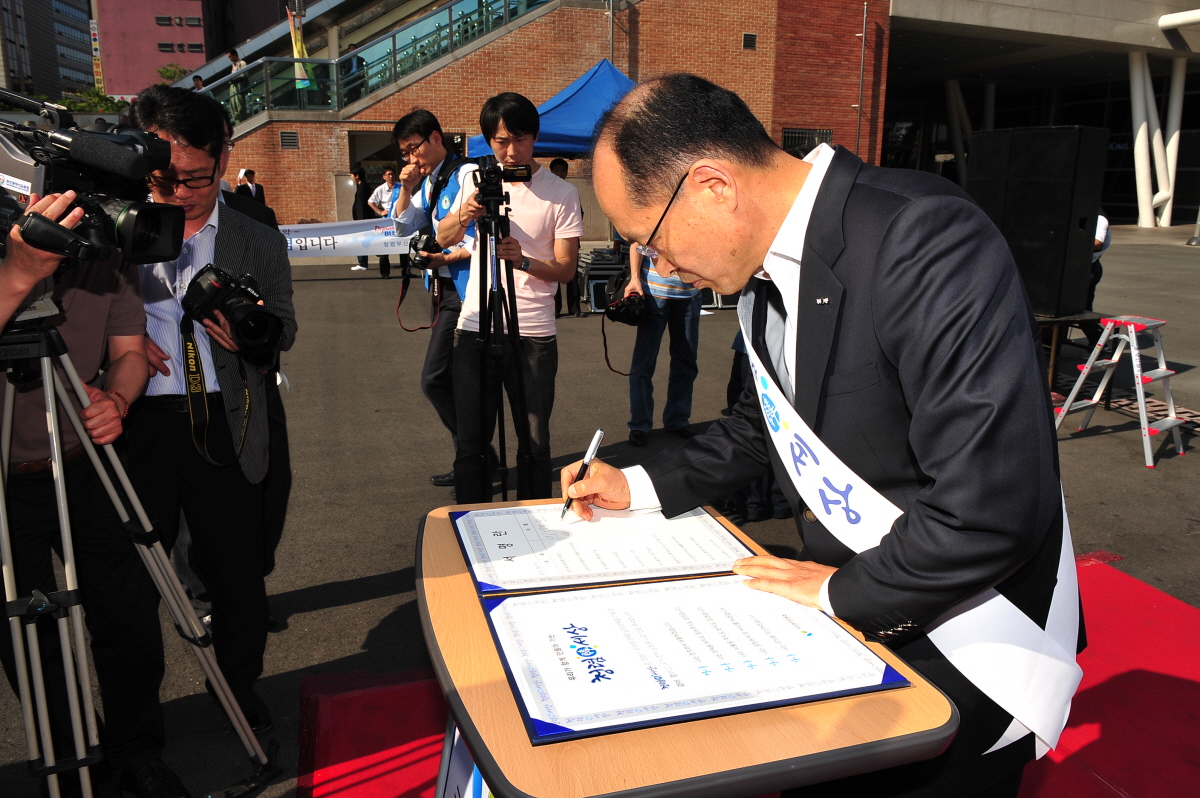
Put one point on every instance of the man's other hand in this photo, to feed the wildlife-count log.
(603, 486)
(509, 249)
(799, 581)
(28, 263)
(102, 418)
(157, 359)
(410, 176)
(222, 333)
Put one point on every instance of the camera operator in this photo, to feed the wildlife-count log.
(543, 246)
(102, 322)
(428, 185)
(209, 461)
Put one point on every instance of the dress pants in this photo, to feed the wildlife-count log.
(277, 484)
(120, 607)
(538, 362)
(681, 318)
(437, 375)
(224, 513)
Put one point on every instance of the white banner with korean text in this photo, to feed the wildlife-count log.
(360, 237)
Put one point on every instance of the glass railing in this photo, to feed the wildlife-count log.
(318, 84)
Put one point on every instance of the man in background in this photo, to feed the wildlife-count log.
(382, 200)
(673, 306)
(251, 189)
(361, 208)
(429, 183)
(543, 246)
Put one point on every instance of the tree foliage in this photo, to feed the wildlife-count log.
(93, 101)
(171, 72)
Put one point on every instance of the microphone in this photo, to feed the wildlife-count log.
(90, 149)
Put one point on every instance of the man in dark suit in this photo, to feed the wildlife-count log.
(248, 207)
(252, 189)
(209, 461)
(887, 320)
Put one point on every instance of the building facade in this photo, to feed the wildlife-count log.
(45, 47)
(137, 39)
(903, 83)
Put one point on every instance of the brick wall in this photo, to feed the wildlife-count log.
(817, 67)
(804, 73)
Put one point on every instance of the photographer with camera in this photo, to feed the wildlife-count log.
(103, 325)
(199, 440)
(429, 183)
(543, 247)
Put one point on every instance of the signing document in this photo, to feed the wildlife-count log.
(668, 634)
(531, 548)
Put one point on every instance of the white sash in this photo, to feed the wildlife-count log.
(1030, 672)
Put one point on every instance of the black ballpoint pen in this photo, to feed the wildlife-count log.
(592, 448)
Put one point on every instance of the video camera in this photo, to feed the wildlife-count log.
(34, 161)
(489, 179)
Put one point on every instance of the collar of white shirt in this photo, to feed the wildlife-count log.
(782, 264)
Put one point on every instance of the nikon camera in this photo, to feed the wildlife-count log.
(256, 330)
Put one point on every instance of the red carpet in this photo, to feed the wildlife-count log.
(370, 735)
(1135, 722)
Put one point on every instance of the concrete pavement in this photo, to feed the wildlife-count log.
(364, 442)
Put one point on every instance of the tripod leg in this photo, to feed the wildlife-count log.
(166, 581)
(14, 624)
(74, 675)
(10, 398)
(43, 711)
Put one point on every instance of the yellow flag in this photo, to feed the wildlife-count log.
(296, 24)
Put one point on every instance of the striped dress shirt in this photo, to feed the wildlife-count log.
(163, 286)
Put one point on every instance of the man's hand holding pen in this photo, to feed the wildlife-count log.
(604, 486)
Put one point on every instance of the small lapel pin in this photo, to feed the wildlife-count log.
(823, 300)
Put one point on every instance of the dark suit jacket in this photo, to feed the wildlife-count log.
(246, 247)
(922, 373)
(261, 194)
(248, 207)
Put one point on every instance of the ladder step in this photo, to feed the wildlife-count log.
(1075, 408)
(1139, 323)
(1156, 374)
(1099, 365)
(1163, 426)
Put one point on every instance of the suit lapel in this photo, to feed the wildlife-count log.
(820, 291)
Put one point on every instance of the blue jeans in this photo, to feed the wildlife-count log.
(682, 318)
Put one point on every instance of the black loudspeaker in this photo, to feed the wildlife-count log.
(1041, 186)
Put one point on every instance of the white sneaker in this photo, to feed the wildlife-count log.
(358, 268)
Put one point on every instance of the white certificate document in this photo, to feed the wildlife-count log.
(529, 548)
(598, 660)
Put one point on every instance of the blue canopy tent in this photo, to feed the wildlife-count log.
(569, 117)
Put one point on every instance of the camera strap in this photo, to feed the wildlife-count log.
(193, 375)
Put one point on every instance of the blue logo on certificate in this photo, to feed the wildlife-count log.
(772, 415)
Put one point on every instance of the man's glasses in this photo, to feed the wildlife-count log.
(409, 152)
(204, 181)
(646, 250)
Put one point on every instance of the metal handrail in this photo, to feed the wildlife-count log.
(401, 58)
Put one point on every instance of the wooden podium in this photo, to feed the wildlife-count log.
(740, 755)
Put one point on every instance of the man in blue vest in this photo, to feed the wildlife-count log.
(428, 185)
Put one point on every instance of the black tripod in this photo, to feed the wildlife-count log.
(29, 349)
(498, 312)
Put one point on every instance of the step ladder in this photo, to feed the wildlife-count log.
(1124, 329)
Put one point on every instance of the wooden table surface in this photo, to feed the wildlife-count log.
(745, 754)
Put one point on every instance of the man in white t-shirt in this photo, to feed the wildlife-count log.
(383, 198)
(543, 246)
